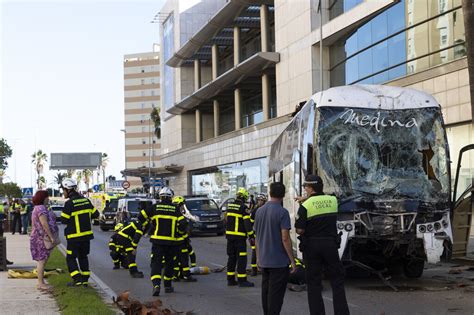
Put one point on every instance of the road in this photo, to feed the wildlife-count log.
(437, 292)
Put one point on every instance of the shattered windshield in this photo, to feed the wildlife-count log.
(383, 154)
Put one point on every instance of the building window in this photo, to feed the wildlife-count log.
(143, 70)
(144, 153)
(143, 81)
(154, 141)
(152, 93)
(386, 48)
(143, 141)
(143, 105)
(168, 50)
(223, 182)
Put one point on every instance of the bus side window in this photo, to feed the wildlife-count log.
(309, 159)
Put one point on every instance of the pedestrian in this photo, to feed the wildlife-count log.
(2, 216)
(168, 225)
(43, 226)
(77, 214)
(238, 229)
(252, 202)
(316, 224)
(27, 208)
(274, 250)
(16, 206)
(261, 199)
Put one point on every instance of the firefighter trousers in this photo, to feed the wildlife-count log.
(128, 248)
(237, 255)
(77, 251)
(162, 253)
(318, 255)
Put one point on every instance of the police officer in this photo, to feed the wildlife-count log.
(238, 229)
(2, 216)
(128, 237)
(316, 224)
(76, 215)
(167, 226)
(185, 249)
(261, 199)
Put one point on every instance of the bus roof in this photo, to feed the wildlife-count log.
(374, 97)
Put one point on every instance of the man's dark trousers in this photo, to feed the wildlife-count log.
(16, 222)
(319, 253)
(274, 282)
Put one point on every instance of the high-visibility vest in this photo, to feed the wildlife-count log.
(2, 210)
(23, 209)
(238, 221)
(320, 205)
(168, 224)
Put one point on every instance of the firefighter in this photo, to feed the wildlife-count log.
(168, 225)
(185, 250)
(76, 215)
(128, 238)
(299, 276)
(261, 199)
(238, 229)
(116, 250)
(316, 224)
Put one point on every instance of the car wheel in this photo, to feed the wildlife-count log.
(413, 268)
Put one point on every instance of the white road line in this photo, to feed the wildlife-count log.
(350, 304)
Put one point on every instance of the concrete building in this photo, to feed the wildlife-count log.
(142, 95)
(235, 70)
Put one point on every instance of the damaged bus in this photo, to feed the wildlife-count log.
(382, 151)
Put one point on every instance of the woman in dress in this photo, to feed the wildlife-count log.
(44, 226)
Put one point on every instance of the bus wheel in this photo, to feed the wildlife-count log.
(413, 268)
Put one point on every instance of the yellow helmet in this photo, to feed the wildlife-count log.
(243, 193)
(118, 227)
(178, 200)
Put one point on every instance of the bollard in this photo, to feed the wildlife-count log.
(3, 254)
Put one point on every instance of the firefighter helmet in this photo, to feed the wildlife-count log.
(178, 200)
(243, 193)
(166, 192)
(69, 183)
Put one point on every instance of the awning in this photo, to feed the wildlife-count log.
(154, 171)
(250, 67)
(225, 17)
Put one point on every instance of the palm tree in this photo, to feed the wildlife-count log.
(70, 173)
(58, 179)
(39, 158)
(103, 165)
(87, 174)
(78, 177)
(41, 182)
(2, 173)
(155, 117)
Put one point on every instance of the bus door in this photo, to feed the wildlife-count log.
(462, 203)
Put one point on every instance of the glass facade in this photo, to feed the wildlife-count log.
(408, 37)
(338, 7)
(168, 75)
(222, 182)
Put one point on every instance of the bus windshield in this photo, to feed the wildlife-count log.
(383, 154)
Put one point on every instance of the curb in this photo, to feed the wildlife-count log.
(105, 289)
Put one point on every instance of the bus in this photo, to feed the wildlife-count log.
(383, 152)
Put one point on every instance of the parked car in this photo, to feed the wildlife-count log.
(130, 208)
(107, 218)
(203, 215)
(57, 212)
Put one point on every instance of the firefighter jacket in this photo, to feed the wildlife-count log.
(77, 215)
(238, 223)
(167, 223)
(114, 244)
(132, 232)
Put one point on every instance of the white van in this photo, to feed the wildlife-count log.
(131, 207)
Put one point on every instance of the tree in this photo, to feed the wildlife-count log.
(2, 173)
(155, 117)
(5, 153)
(468, 11)
(41, 182)
(103, 165)
(11, 190)
(39, 158)
(78, 177)
(60, 176)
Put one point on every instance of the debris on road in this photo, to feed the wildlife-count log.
(132, 306)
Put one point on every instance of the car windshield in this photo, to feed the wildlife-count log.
(113, 205)
(384, 154)
(201, 205)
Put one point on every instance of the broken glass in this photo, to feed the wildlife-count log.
(375, 154)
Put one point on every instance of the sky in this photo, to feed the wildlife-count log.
(62, 77)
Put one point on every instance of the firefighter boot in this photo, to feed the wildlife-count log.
(136, 274)
(156, 291)
(245, 284)
(169, 289)
(254, 272)
(231, 281)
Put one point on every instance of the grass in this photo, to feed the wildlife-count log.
(73, 301)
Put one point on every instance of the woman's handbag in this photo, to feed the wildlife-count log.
(51, 243)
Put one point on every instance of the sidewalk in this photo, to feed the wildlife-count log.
(20, 296)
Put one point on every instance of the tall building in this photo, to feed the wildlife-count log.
(235, 70)
(142, 95)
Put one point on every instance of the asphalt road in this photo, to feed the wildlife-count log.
(437, 292)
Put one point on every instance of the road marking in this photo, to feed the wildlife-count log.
(101, 284)
(350, 304)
